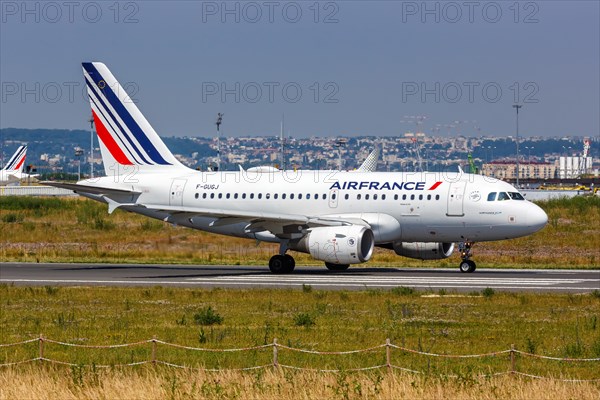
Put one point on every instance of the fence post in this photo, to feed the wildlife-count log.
(41, 355)
(275, 354)
(154, 349)
(512, 359)
(388, 355)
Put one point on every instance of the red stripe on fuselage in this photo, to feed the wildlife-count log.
(435, 185)
(110, 143)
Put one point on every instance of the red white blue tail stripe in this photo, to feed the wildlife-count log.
(122, 129)
(16, 162)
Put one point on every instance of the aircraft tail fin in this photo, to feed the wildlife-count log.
(126, 137)
(17, 161)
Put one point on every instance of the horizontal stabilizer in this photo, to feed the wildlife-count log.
(91, 189)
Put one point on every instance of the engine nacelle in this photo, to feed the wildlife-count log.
(338, 245)
(423, 251)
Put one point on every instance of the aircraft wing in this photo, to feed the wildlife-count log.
(276, 223)
(370, 163)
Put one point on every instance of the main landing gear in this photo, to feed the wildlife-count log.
(466, 265)
(282, 264)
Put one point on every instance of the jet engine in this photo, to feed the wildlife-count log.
(338, 245)
(423, 251)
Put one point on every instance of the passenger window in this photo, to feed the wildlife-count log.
(220, 195)
(358, 196)
(412, 196)
(366, 197)
(212, 195)
(428, 197)
(395, 197)
(251, 195)
(403, 197)
(374, 197)
(307, 196)
(260, 196)
(333, 196)
(346, 196)
(235, 196)
(492, 196)
(275, 196)
(197, 195)
(292, 196)
(203, 195)
(283, 196)
(437, 196)
(383, 197)
(299, 196)
(503, 196)
(227, 196)
(316, 196)
(268, 196)
(420, 197)
(243, 195)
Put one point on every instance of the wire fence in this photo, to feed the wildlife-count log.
(275, 346)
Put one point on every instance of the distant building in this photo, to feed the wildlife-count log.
(572, 167)
(508, 170)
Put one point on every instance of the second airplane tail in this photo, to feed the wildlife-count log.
(126, 137)
(17, 161)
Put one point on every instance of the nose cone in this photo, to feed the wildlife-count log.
(536, 218)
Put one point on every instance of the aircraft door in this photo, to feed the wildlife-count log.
(176, 192)
(333, 198)
(456, 196)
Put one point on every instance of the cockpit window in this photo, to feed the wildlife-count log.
(492, 196)
(516, 196)
(503, 196)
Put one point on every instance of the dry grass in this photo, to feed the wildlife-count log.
(148, 383)
(545, 324)
(78, 230)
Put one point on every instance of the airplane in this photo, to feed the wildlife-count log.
(337, 217)
(13, 170)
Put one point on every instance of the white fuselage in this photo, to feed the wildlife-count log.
(408, 207)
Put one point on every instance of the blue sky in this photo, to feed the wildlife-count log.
(334, 68)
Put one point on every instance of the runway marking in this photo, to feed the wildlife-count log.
(298, 282)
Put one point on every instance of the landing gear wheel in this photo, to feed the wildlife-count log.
(336, 267)
(467, 266)
(279, 264)
(290, 262)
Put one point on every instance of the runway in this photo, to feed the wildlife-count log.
(358, 278)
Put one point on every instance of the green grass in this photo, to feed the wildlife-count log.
(79, 230)
(553, 325)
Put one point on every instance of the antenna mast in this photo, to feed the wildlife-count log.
(218, 123)
(91, 121)
(282, 142)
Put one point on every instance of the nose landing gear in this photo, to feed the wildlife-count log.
(466, 265)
